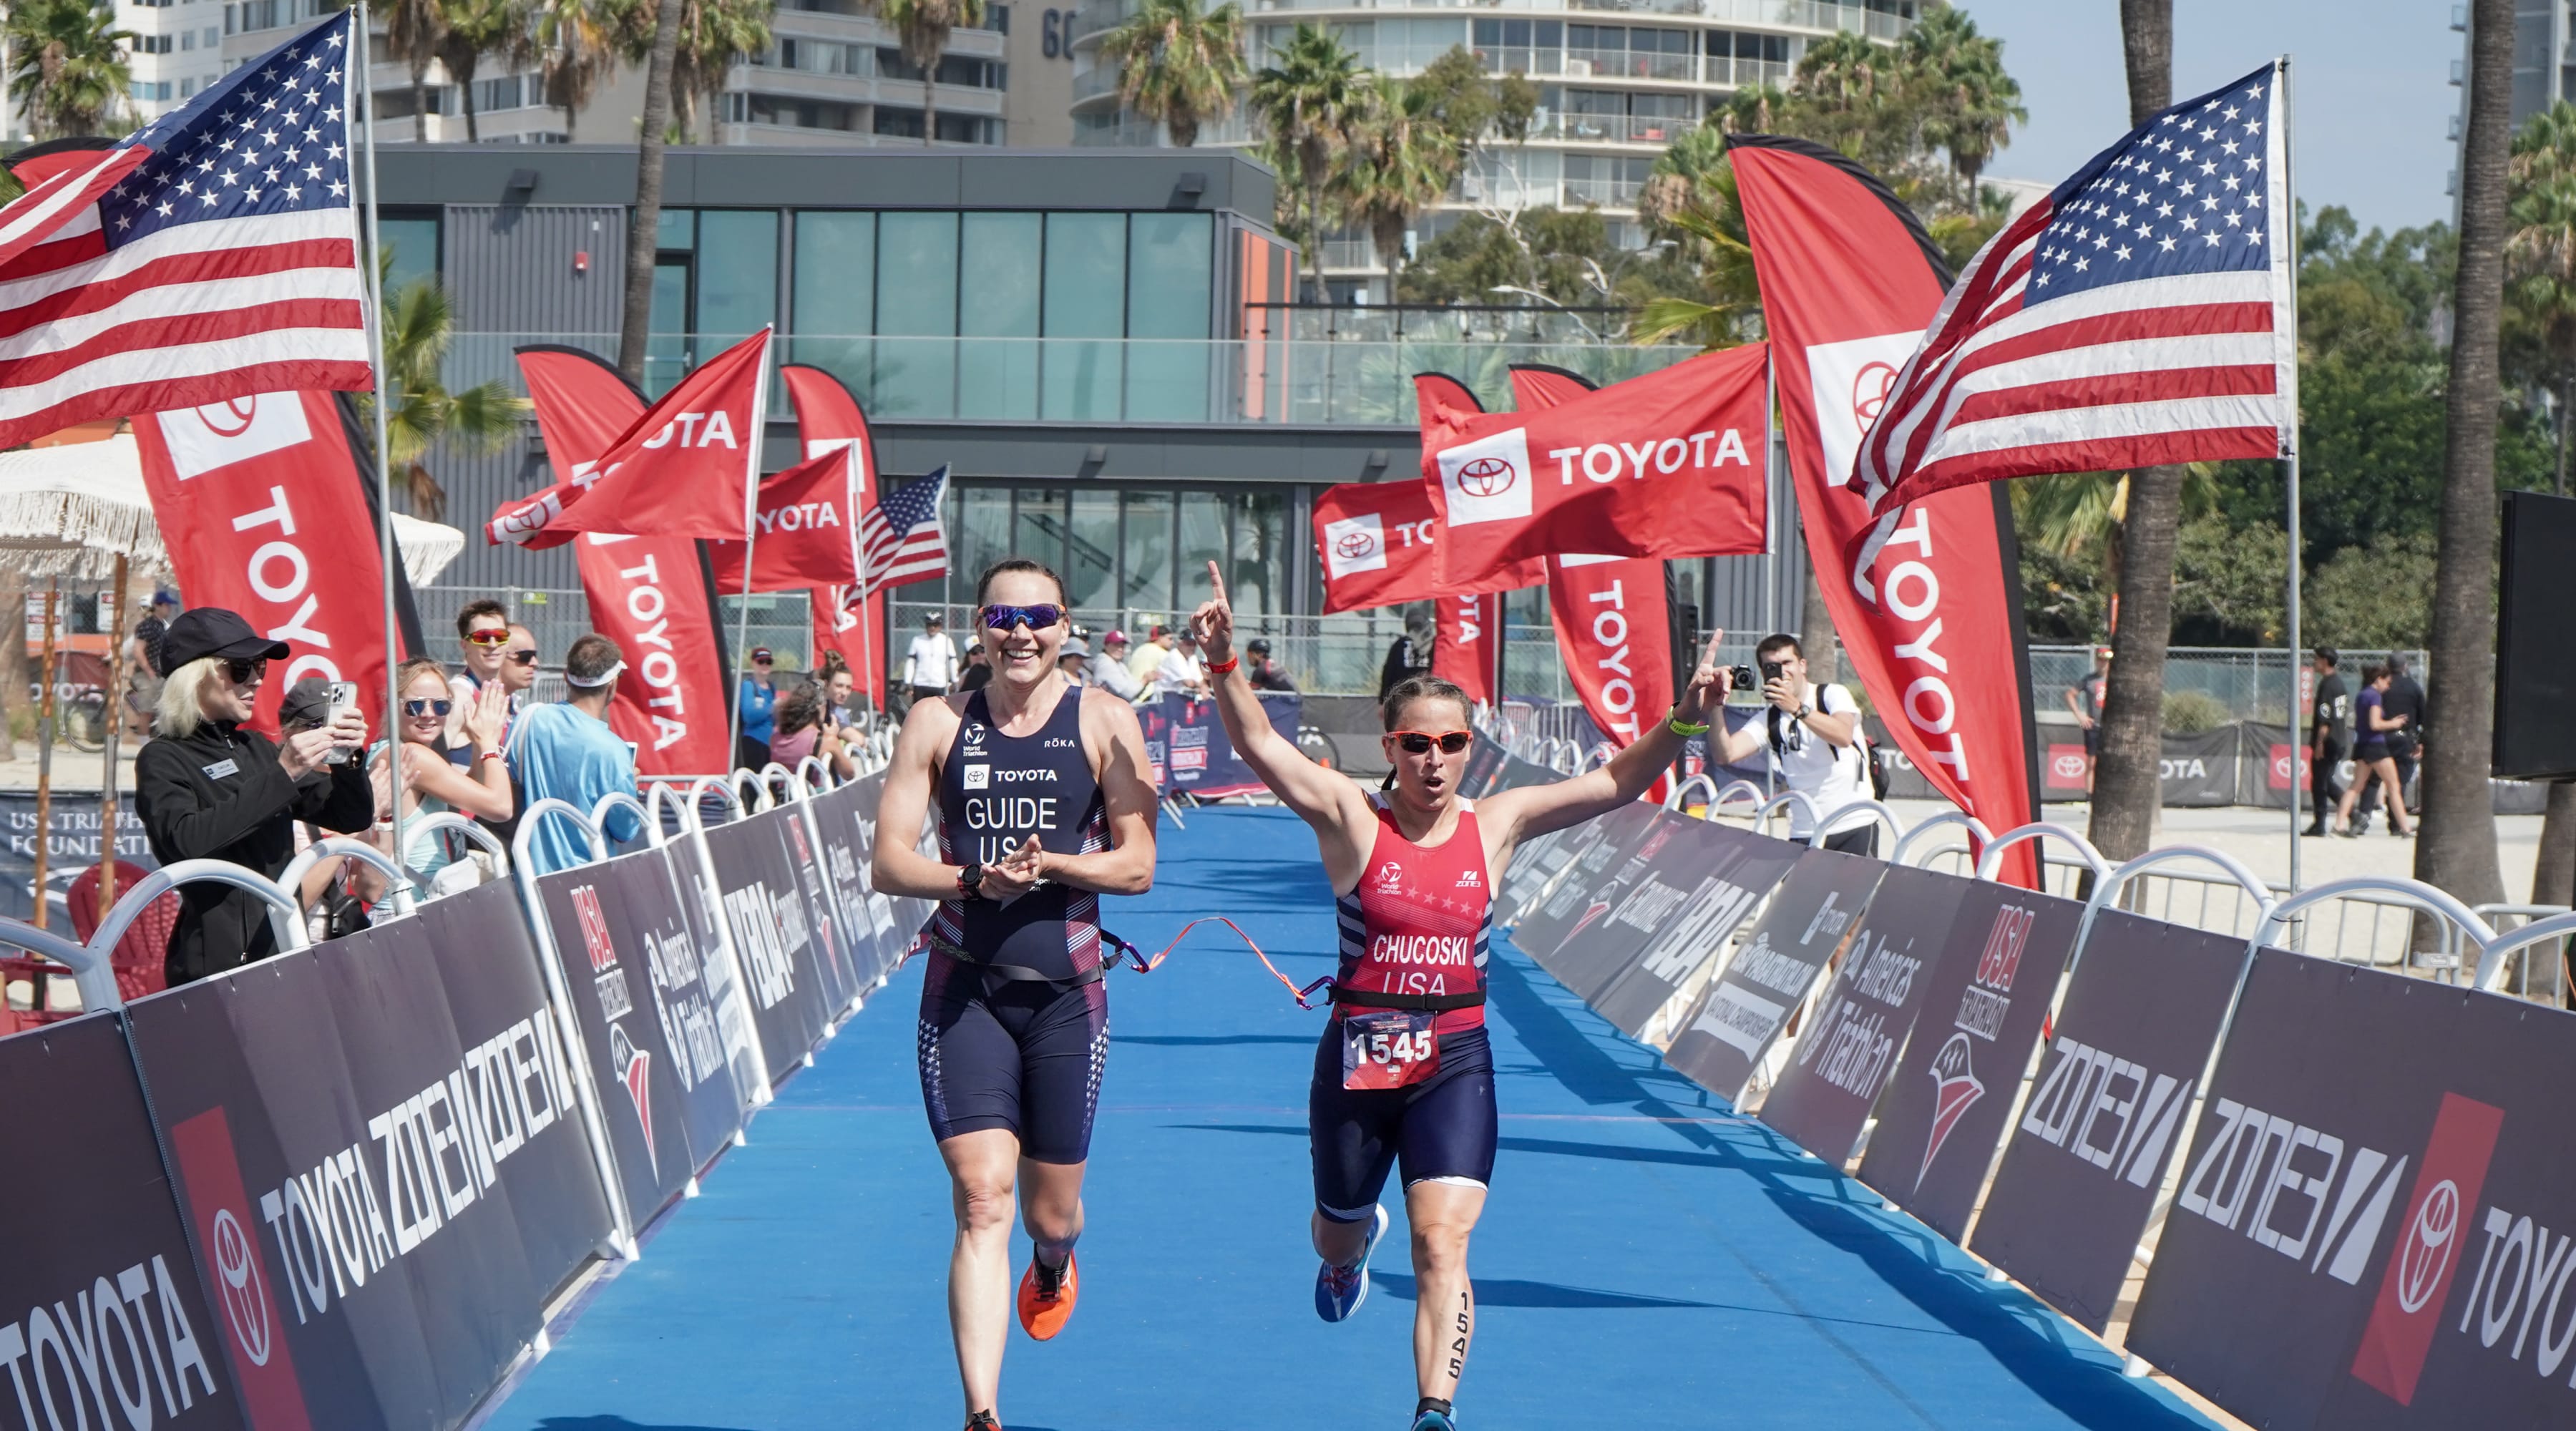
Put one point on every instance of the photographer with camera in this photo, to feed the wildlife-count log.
(1813, 734)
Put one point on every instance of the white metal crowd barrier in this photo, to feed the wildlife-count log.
(1823, 823)
(1978, 834)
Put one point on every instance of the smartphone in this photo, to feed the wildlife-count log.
(344, 696)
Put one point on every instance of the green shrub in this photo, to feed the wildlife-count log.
(2194, 713)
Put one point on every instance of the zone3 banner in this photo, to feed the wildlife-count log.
(334, 1191)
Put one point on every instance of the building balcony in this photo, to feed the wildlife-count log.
(1328, 367)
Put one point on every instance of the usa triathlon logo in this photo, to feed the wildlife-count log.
(1955, 1090)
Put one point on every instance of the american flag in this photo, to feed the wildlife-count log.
(901, 540)
(211, 255)
(2139, 314)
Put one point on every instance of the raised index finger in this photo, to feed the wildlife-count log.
(1710, 658)
(1216, 579)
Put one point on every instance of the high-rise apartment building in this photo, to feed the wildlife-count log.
(1618, 81)
(834, 74)
(2544, 64)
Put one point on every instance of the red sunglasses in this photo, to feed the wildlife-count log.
(1415, 742)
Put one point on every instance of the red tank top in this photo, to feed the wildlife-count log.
(1419, 925)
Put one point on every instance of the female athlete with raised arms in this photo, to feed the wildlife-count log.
(1403, 1073)
(1044, 805)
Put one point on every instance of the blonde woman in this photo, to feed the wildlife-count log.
(430, 781)
(210, 788)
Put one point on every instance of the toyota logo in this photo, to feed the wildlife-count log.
(1486, 477)
(2068, 767)
(229, 418)
(1354, 545)
(245, 1298)
(1869, 393)
(2425, 1257)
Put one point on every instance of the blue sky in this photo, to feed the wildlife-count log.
(2370, 79)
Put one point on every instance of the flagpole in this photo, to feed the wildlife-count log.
(1770, 520)
(370, 275)
(2290, 222)
(759, 437)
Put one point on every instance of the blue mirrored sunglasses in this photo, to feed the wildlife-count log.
(1036, 618)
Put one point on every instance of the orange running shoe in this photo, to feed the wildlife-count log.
(1047, 1295)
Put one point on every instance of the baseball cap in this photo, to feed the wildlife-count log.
(308, 702)
(1157, 633)
(761, 653)
(214, 631)
(1073, 648)
(1258, 646)
(1114, 638)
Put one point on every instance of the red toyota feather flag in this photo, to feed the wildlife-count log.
(806, 530)
(685, 468)
(1537, 386)
(1933, 623)
(828, 416)
(1663, 465)
(1377, 539)
(647, 594)
(1467, 645)
(258, 499)
(1614, 629)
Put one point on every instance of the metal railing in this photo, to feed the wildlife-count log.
(1256, 380)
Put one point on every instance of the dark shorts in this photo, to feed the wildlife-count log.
(1443, 1127)
(1021, 1056)
(2093, 741)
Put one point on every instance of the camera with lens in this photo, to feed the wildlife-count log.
(1740, 678)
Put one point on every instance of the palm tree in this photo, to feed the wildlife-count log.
(412, 32)
(1689, 198)
(2127, 778)
(471, 29)
(2457, 850)
(1971, 103)
(1400, 160)
(643, 231)
(579, 41)
(1179, 63)
(715, 35)
(923, 27)
(480, 419)
(68, 66)
(1307, 99)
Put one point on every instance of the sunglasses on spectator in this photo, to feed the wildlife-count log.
(245, 673)
(422, 708)
(1036, 618)
(523, 658)
(1414, 742)
(487, 638)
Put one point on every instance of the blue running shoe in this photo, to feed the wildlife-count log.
(1340, 1290)
(1434, 1415)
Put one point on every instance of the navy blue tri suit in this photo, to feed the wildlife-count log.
(1014, 1016)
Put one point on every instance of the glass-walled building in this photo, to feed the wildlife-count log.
(1084, 337)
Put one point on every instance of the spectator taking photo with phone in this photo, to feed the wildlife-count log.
(208, 788)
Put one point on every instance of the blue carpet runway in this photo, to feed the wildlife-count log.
(1645, 1260)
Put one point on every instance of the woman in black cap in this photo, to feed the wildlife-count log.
(209, 789)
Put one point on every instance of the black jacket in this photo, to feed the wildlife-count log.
(194, 807)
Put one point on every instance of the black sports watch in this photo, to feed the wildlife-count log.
(970, 879)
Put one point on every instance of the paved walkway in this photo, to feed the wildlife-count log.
(1647, 1259)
